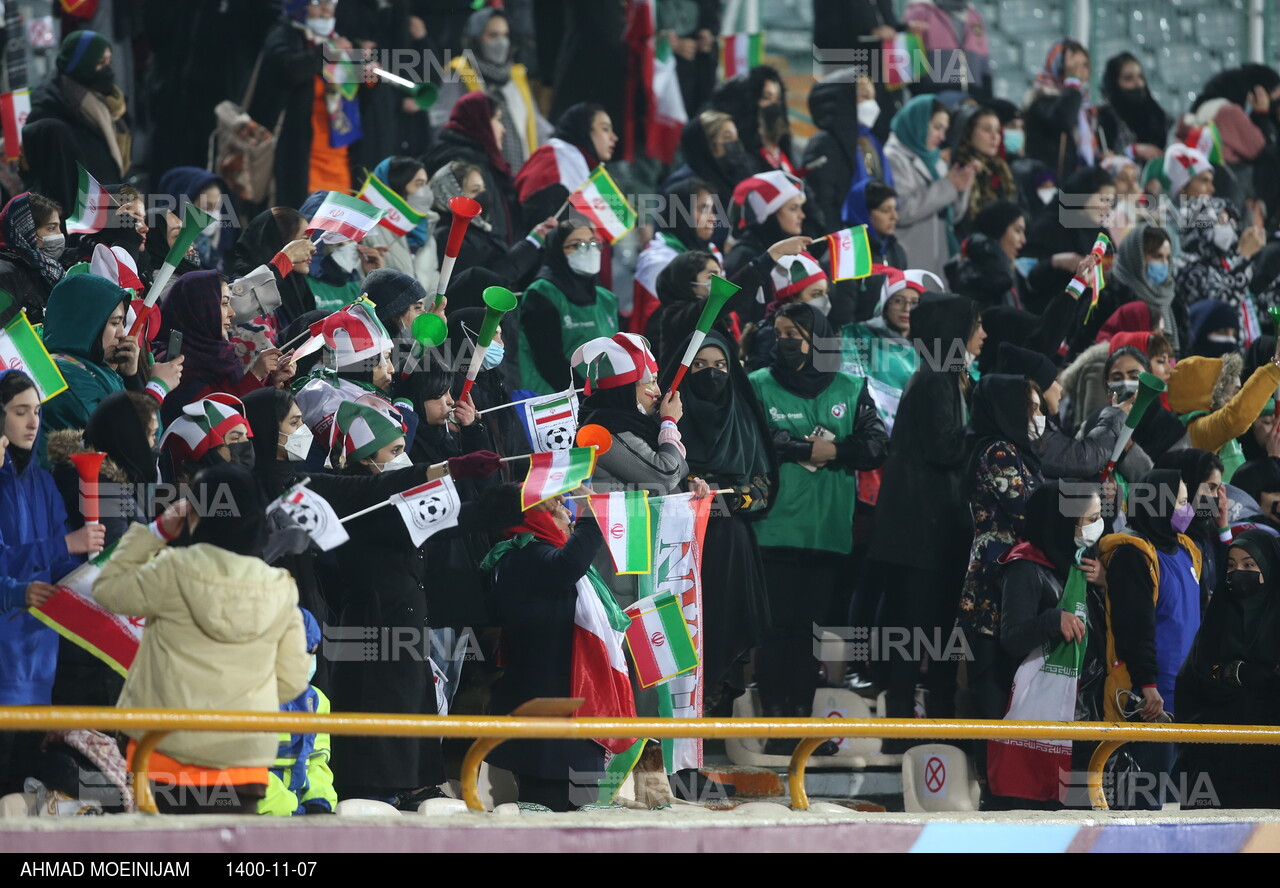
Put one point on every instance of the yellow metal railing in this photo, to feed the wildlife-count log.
(546, 720)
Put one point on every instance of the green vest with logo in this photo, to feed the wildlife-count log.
(330, 297)
(579, 324)
(812, 510)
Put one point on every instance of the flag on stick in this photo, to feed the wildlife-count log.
(399, 217)
(741, 53)
(313, 514)
(552, 420)
(554, 473)
(92, 206)
(74, 615)
(21, 349)
(850, 253)
(659, 639)
(604, 205)
(428, 508)
(623, 517)
(343, 218)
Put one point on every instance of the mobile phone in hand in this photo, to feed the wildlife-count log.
(175, 346)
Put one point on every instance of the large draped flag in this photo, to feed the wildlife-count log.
(679, 524)
(74, 615)
(652, 68)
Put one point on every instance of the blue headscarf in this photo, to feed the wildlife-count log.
(856, 211)
(911, 126)
(418, 236)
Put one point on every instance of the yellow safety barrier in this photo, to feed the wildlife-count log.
(549, 723)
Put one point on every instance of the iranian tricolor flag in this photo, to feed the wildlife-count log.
(902, 60)
(623, 517)
(552, 420)
(1044, 690)
(679, 524)
(654, 64)
(14, 108)
(659, 639)
(551, 474)
(599, 673)
(21, 349)
(343, 218)
(604, 205)
(742, 52)
(399, 218)
(74, 615)
(92, 206)
(850, 253)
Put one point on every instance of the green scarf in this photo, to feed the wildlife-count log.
(617, 618)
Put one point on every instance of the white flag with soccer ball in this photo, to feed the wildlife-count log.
(313, 514)
(428, 508)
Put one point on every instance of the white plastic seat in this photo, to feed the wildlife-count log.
(938, 777)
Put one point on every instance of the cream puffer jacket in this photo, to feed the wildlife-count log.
(223, 632)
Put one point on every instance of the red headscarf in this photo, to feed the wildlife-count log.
(472, 117)
(542, 526)
(1139, 339)
(1132, 317)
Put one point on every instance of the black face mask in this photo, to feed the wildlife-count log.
(103, 81)
(709, 384)
(1134, 96)
(242, 452)
(1243, 583)
(790, 354)
(774, 117)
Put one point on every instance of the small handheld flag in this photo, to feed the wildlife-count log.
(428, 508)
(554, 473)
(22, 349)
(552, 420)
(624, 522)
(603, 204)
(721, 292)
(312, 513)
(342, 218)
(659, 638)
(92, 206)
(399, 218)
(850, 253)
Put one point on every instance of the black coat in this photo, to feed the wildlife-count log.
(1051, 121)
(27, 286)
(922, 515)
(1046, 237)
(1029, 612)
(832, 106)
(286, 85)
(49, 101)
(841, 25)
(535, 596)
(499, 189)
(984, 273)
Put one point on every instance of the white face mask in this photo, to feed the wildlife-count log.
(495, 51)
(868, 113)
(209, 229)
(1222, 338)
(1046, 194)
(53, 245)
(821, 304)
(420, 200)
(1035, 428)
(345, 256)
(400, 461)
(1089, 534)
(585, 262)
(298, 444)
(1224, 237)
(321, 27)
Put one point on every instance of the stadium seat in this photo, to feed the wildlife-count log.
(938, 777)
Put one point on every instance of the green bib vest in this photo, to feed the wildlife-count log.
(330, 298)
(812, 510)
(579, 324)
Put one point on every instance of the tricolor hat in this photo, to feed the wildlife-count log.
(116, 265)
(623, 359)
(1183, 163)
(203, 426)
(758, 197)
(356, 336)
(896, 280)
(365, 430)
(792, 274)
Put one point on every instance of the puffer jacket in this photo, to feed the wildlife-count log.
(223, 632)
(1199, 386)
(1084, 382)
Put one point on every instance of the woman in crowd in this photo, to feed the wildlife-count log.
(757, 101)
(825, 428)
(31, 242)
(874, 203)
(213, 608)
(683, 287)
(728, 442)
(564, 308)
(412, 253)
(208, 192)
(713, 153)
(1059, 241)
(38, 550)
(980, 140)
(880, 349)
(688, 224)
(1131, 122)
(1230, 678)
(503, 431)
(927, 465)
(1003, 473)
(768, 214)
(1061, 128)
(795, 279)
(263, 240)
(583, 139)
(844, 108)
(932, 200)
(986, 268)
(1201, 471)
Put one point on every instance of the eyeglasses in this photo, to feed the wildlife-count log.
(903, 302)
(583, 246)
(318, 3)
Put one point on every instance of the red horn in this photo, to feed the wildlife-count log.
(88, 466)
(464, 210)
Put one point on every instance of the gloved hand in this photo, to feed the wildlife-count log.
(480, 464)
(316, 808)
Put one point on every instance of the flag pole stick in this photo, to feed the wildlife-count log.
(374, 508)
(305, 334)
(514, 403)
(582, 496)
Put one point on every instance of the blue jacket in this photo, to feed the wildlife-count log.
(33, 527)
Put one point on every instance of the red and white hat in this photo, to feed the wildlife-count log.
(356, 336)
(623, 359)
(793, 274)
(116, 265)
(1182, 163)
(896, 280)
(758, 197)
(203, 426)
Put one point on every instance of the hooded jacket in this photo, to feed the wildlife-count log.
(1198, 394)
(33, 527)
(78, 310)
(845, 143)
(223, 632)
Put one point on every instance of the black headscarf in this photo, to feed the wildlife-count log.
(616, 410)
(266, 408)
(574, 127)
(1194, 466)
(1003, 323)
(258, 244)
(999, 413)
(431, 443)
(682, 205)
(466, 290)
(1149, 516)
(48, 146)
(115, 429)
(724, 434)
(1248, 628)
(158, 245)
(1235, 84)
(1050, 526)
(578, 289)
(1259, 476)
(1141, 112)
(245, 531)
(940, 329)
(718, 172)
(820, 364)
